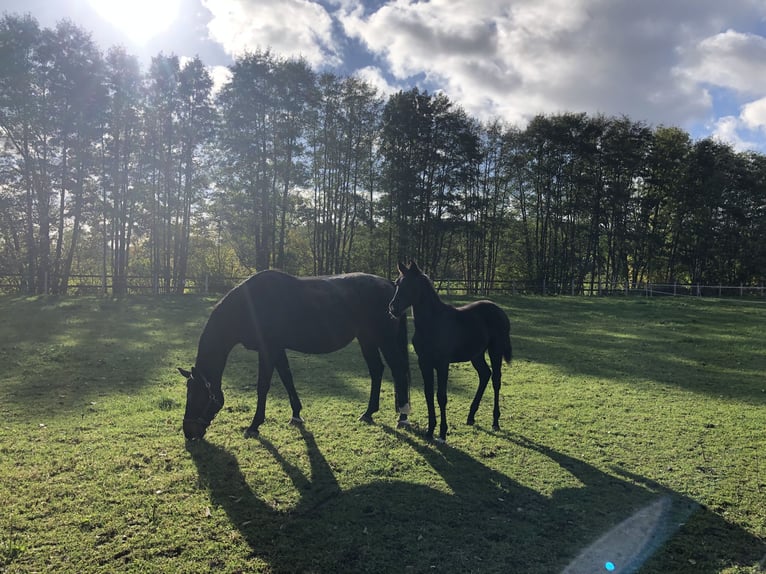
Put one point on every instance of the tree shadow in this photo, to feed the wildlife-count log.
(479, 521)
(64, 352)
(702, 346)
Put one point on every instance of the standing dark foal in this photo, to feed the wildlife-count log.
(273, 311)
(445, 334)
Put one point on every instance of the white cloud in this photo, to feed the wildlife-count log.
(221, 75)
(375, 77)
(662, 62)
(727, 129)
(753, 114)
(649, 60)
(745, 131)
(731, 59)
(292, 28)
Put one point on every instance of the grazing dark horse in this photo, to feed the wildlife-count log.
(445, 334)
(273, 311)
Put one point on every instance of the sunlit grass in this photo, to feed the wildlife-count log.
(609, 404)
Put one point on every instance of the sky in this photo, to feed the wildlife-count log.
(695, 64)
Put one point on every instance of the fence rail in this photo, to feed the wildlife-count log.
(211, 284)
(134, 285)
(460, 287)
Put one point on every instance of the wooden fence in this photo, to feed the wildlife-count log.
(208, 284)
(135, 285)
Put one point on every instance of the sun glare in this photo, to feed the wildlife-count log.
(140, 20)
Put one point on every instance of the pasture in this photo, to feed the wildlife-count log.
(610, 404)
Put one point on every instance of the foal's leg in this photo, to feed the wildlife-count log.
(283, 368)
(265, 371)
(480, 364)
(442, 371)
(375, 366)
(496, 359)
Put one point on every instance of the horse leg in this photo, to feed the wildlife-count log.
(427, 371)
(375, 366)
(496, 359)
(283, 368)
(442, 371)
(399, 364)
(480, 364)
(265, 370)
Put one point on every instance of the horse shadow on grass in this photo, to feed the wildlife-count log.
(483, 521)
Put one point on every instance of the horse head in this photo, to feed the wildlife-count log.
(409, 286)
(203, 401)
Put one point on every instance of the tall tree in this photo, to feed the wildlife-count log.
(196, 123)
(265, 111)
(430, 151)
(79, 100)
(660, 210)
(344, 171)
(294, 103)
(625, 146)
(120, 178)
(21, 91)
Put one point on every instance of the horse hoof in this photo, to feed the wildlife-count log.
(403, 424)
(440, 440)
(296, 421)
(496, 427)
(251, 433)
(365, 418)
(470, 421)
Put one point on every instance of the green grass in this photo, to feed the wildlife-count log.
(609, 405)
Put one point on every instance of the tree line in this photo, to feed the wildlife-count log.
(109, 169)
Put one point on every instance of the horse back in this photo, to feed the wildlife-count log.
(496, 323)
(308, 314)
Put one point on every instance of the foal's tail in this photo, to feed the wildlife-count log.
(507, 348)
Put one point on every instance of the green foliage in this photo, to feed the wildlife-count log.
(115, 170)
(608, 405)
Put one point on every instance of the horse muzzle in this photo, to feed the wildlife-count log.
(194, 429)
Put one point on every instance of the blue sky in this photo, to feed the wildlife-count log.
(696, 64)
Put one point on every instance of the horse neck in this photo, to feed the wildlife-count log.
(427, 307)
(215, 344)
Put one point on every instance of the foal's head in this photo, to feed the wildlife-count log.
(202, 403)
(410, 288)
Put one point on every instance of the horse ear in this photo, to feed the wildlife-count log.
(402, 268)
(414, 266)
(184, 372)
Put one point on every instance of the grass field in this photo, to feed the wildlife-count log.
(609, 406)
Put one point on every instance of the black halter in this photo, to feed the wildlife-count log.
(211, 400)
